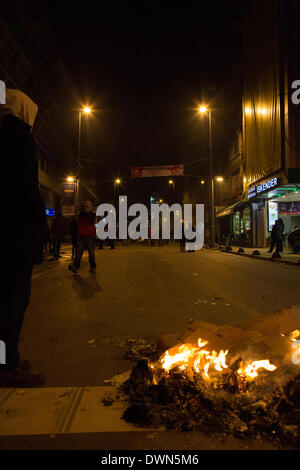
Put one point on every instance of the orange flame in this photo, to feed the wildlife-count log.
(294, 335)
(197, 358)
(250, 370)
(187, 356)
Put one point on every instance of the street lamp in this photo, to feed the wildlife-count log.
(117, 181)
(85, 110)
(173, 186)
(203, 110)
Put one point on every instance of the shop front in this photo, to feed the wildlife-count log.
(270, 201)
(234, 222)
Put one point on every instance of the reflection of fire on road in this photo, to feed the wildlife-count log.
(223, 379)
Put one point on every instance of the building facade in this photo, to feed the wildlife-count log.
(270, 158)
(29, 63)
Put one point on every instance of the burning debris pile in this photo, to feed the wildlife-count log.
(221, 379)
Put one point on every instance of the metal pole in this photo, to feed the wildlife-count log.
(212, 183)
(78, 157)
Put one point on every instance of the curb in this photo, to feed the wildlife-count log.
(258, 256)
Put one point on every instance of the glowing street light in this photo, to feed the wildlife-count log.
(203, 109)
(70, 179)
(117, 182)
(85, 110)
(219, 179)
(172, 182)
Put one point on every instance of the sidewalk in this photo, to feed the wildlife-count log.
(49, 263)
(287, 256)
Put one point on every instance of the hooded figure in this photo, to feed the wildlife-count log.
(24, 215)
(23, 220)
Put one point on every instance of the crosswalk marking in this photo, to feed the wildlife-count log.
(60, 410)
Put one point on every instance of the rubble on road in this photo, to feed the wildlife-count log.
(226, 401)
(138, 348)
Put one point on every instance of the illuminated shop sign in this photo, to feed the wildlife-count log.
(259, 188)
(251, 192)
(50, 211)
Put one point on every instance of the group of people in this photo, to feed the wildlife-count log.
(277, 236)
(54, 235)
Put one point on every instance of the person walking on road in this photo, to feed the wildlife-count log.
(279, 235)
(86, 234)
(73, 231)
(25, 217)
(183, 239)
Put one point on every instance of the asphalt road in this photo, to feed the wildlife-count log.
(76, 327)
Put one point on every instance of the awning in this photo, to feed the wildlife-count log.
(228, 210)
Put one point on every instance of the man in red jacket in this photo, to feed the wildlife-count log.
(86, 234)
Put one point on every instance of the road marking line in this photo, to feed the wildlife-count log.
(61, 410)
(73, 410)
(4, 395)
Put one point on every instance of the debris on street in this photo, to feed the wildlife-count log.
(249, 389)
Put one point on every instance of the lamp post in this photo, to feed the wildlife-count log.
(172, 182)
(204, 109)
(117, 181)
(86, 110)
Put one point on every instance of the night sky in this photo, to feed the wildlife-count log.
(144, 74)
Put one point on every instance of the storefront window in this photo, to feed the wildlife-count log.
(246, 219)
(273, 213)
(237, 223)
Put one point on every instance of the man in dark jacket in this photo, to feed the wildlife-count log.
(86, 235)
(279, 235)
(24, 217)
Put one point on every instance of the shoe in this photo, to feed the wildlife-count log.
(20, 378)
(72, 268)
(93, 270)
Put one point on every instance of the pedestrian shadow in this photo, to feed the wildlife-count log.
(86, 289)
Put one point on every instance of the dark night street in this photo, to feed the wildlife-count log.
(77, 325)
(151, 229)
(141, 292)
